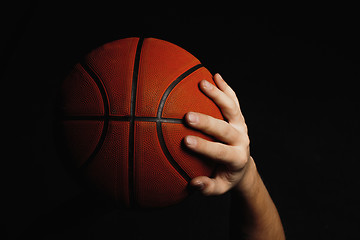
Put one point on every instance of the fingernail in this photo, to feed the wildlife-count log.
(207, 85)
(199, 185)
(190, 140)
(193, 117)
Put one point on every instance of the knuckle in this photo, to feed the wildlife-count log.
(232, 92)
(222, 188)
(220, 153)
(247, 141)
(230, 109)
(245, 128)
(234, 109)
(232, 106)
(242, 158)
(209, 189)
(228, 130)
(239, 138)
(237, 112)
(242, 128)
(206, 122)
(242, 134)
(210, 121)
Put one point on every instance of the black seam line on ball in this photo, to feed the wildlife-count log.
(132, 200)
(122, 119)
(155, 119)
(164, 148)
(171, 160)
(171, 87)
(103, 93)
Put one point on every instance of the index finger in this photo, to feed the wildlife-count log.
(223, 86)
(229, 108)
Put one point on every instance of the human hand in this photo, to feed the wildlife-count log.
(236, 169)
(232, 152)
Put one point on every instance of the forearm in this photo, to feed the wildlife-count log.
(253, 211)
(251, 202)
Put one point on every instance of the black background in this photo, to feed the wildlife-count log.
(295, 71)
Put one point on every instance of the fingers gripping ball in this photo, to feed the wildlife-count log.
(122, 120)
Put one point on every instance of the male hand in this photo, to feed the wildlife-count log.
(232, 151)
(260, 219)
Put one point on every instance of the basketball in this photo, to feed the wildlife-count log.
(122, 127)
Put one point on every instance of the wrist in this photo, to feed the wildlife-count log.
(248, 185)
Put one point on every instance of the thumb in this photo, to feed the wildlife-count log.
(208, 186)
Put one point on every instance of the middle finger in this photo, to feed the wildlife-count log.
(217, 128)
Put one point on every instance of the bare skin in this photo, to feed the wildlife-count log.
(238, 171)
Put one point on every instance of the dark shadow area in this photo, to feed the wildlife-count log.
(295, 74)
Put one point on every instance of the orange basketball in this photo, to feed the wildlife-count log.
(122, 120)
